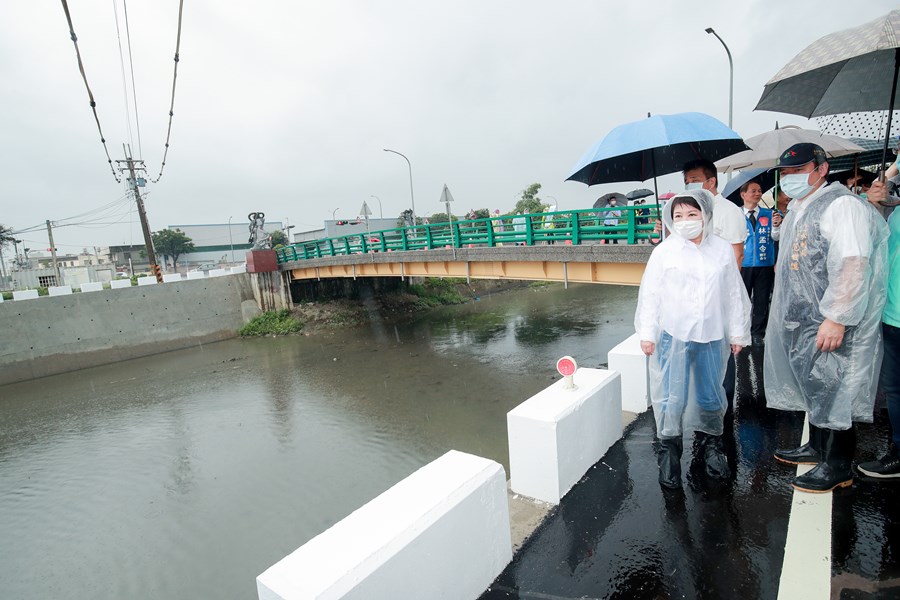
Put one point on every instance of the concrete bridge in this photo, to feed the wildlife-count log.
(611, 264)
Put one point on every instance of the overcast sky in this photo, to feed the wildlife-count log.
(285, 107)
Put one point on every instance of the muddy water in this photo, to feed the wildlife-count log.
(189, 473)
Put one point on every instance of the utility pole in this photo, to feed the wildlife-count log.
(145, 226)
(59, 280)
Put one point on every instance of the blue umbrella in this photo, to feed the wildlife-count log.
(657, 145)
(764, 177)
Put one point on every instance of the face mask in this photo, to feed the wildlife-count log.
(688, 229)
(797, 185)
(697, 185)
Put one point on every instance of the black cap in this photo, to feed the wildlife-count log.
(800, 154)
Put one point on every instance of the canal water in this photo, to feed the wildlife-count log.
(187, 474)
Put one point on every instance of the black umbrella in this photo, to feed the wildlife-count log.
(872, 156)
(764, 177)
(603, 200)
(843, 72)
(641, 193)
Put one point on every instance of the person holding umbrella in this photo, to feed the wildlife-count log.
(692, 313)
(824, 344)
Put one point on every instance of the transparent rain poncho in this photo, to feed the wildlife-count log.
(832, 264)
(693, 305)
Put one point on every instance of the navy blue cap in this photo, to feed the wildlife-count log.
(801, 154)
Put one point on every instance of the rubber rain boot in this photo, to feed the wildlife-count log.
(835, 470)
(669, 460)
(714, 459)
(808, 454)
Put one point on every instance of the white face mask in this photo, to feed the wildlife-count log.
(797, 185)
(688, 229)
(697, 185)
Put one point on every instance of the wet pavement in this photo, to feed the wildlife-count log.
(617, 534)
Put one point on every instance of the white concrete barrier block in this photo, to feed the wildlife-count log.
(93, 286)
(218, 272)
(25, 294)
(240, 269)
(147, 280)
(59, 290)
(628, 359)
(117, 284)
(1, 298)
(443, 532)
(557, 435)
(170, 277)
(196, 275)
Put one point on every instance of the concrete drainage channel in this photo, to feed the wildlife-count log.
(450, 528)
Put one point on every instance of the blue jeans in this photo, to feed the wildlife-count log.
(705, 363)
(890, 377)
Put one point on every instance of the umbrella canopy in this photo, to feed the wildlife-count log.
(843, 72)
(654, 146)
(846, 71)
(603, 200)
(767, 147)
(764, 177)
(872, 155)
(641, 193)
(667, 195)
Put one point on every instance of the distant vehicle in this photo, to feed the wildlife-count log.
(204, 267)
(122, 275)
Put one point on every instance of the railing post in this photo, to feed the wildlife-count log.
(490, 233)
(629, 214)
(576, 229)
(346, 245)
(429, 239)
(529, 230)
(454, 231)
(404, 239)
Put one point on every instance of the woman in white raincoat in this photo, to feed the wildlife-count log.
(692, 311)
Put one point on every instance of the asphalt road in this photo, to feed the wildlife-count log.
(617, 534)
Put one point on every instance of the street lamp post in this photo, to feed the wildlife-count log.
(380, 212)
(230, 239)
(730, 82)
(412, 198)
(730, 77)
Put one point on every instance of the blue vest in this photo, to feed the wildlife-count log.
(759, 248)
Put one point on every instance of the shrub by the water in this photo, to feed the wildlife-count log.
(279, 322)
(435, 292)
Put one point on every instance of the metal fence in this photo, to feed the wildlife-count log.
(574, 227)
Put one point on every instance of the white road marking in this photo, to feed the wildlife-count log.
(806, 571)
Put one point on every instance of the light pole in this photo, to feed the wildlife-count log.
(730, 82)
(334, 212)
(230, 239)
(730, 77)
(555, 200)
(412, 198)
(380, 212)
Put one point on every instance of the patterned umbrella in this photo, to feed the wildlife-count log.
(843, 72)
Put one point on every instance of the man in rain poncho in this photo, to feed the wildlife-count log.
(693, 311)
(824, 345)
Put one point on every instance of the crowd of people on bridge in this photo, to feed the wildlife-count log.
(815, 282)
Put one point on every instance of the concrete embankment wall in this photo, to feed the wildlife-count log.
(51, 335)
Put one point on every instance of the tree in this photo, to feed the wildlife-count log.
(171, 242)
(279, 239)
(6, 235)
(440, 218)
(529, 202)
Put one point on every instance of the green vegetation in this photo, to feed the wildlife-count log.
(529, 203)
(172, 242)
(279, 322)
(435, 292)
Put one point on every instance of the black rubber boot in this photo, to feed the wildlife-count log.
(713, 451)
(669, 460)
(838, 448)
(807, 454)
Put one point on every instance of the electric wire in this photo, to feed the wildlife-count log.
(137, 119)
(93, 103)
(122, 67)
(174, 80)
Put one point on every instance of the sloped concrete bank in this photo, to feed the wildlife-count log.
(51, 335)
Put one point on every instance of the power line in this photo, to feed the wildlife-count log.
(93, 104)
(174, 79)
(122, 67)
(137, 120)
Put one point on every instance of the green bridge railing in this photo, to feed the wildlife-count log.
(574, 227)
